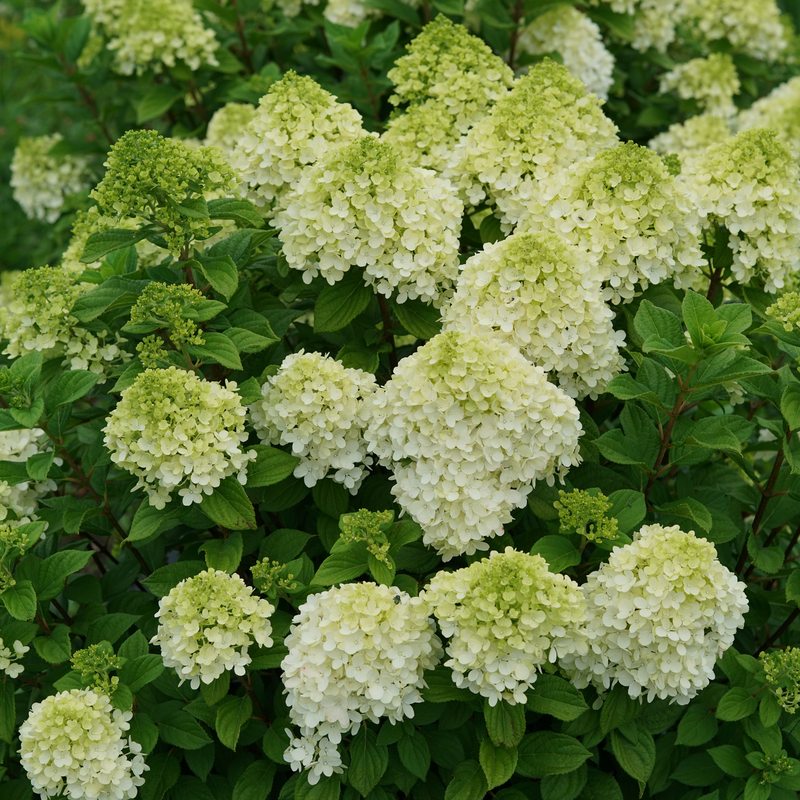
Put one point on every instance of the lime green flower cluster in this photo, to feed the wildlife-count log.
(779, 111)
(712, 82)
(270, 578)
(166, 305)
(585, 514)
(782, 670)
(150, 177)
(786, 310)
(370, 527)
(691, 138)
(94, 662)
(227, 127)
(13, 544)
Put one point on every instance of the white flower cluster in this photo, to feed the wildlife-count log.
(295, 124)
(543, 296)
(227, 127)
(654, 24)
(9, 658)
(423, 135)
(361, 206)
(659, 614)
(207, 624)
(712, 82)
(628, 213)
(42, 182)
(691, 138)
(749, 184)
(22, 499)
(153, 34)
(578, 41)
(350, 13)
(357, 652)
(503, 615)
(779, 111)
(318, 406)
(73, 745)
(174, 430)
(38, 317)
(467, 424)
(544, 125)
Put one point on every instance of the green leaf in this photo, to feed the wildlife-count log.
(601, 786)
(730, 759)
(558, 698)
(347, 563)
(546, 753)
(183, 730)
(20, 600)
(498, 763)
(255, 782)
(691, 509)
(441, 689)
(618, 709)
(756, 790)
(53, 572)
(102, 243)
(166, 578)
(156, 102)
(625, 387)
(229, 506)
(697, 727)
(769, 710)
(368, 761)
(38, 465)
(698, 316)
(223, 554)
(698, 770)
(162, 776)
(418, 318)
(736, 704)
(242, 212)
(628, 507)
(565, 787)
(7, 712)
(55, 648)
(233, 714)
(140, 671)
(109, 628)
(218, 349)
(792, 588)
(338, 305)
(767, 559)
(247, 341)
(149, 520)
(326, 789)
(270, 466)
(557, 551)
(505, 723)
(331, 498)
(468, 782)
(652, 321)
(218, 689)
(790, 406)
(635, 750)
(415, 755)
(71, 386)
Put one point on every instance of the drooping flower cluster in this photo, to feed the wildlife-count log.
(779, 111)
(546, 123)
(42, 182)
(577, 40)
(782, 671)
(358, 652)
(73, 745)
(467, 424)
(584, 513)
(39, 318)
(749, 184)
(296, 122)
(712, 82)
(542, 295)
(659, 614)
(317, 406)
(22, 499)
(10, 656)
(361, 206)
(153, 35)
(227, 127)
(174, 430)
(690, 138)
(207, 623)
(628, 213)
(502, 615)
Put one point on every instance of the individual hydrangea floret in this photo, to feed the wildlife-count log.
(782, 671)
(149, 176)
(712, 82)
(543, 296)
(174, 430)
(227, 127)
(362, 207)
(502, 615)
(295, 124)
(584, 513)
(629, 215)
(357, 652)
(546, 123)
(10, 656)
(659, 614)
(692, 137)
(73, 745)
(467, 424)
(317, 406)
(779, 111)
(42, 182)
(750, 184)
(153, 35)
(207, 624)
(577, 40)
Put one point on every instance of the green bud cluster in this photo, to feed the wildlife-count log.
(94, 663)
(782, 669)
(370, 527)
(585, 514)
(165, 305)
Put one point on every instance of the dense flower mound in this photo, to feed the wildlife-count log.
(502, 615)
(38, 317)
(317, 406)
(543, 296)
(295, 124)
(779, 111)
(73, 745)
(227, 127)
(42, 182)
(153, 34)
(628, 213)
(659, 614)
(654, 24)
(691, 138)
(175, 431)
(361, 206)
(10, 656)
(207, 623)
(23, 498)
(578, 41)
(712, 82)
(749, 184)
(546, 123)
(466, 425)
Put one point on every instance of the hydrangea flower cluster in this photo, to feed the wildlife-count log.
(227, 127)
(779, 111)
(749, 184)
(350, 13)
(362, 206)
(295, 123)
(10, 656)
(174, 430)
(165, 305)
(542, 295)
(782, 671)
(73, 745)
(467, 424)
(659, 614)
(357, 652)
(546, 123)
(423, 135)
(502, 615)
(578, 41)
(39, 318)
(628, 213)
(22, 499)
(149, 176)
(584, 513)
(786, 310)
(153, 35)
(654, 24)
(207, 623)
(712, 82)
(317, 406)
(690, 138)
(42, 182)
